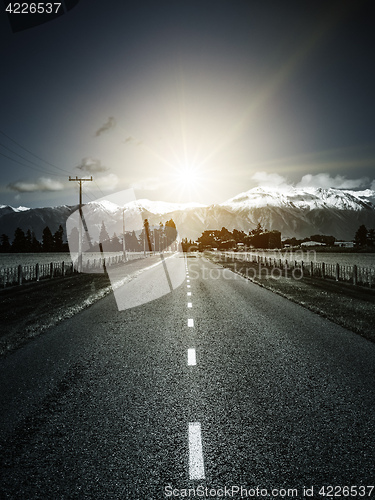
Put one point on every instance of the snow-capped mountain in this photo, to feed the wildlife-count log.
(299, 212)
(35, 219)
(306, 198)
(303, 212)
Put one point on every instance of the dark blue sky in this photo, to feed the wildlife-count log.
(188, 100)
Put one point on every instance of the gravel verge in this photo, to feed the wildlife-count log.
(29, 310)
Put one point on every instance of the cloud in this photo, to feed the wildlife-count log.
(91, 165)
(108, 125)
(42, 184)
(109, 181)
(132, 140)
(270, 180)
(322, 180)
(326, 181)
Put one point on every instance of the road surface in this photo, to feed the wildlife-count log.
(218, 387)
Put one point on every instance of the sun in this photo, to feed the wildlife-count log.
(188, 177)
(188, 181)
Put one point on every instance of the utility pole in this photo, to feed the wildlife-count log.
(123, 232)
(76, 179)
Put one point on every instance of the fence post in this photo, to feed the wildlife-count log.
(355, 274)
(323, 270)
(311, 269)
(51, 270)
(62, 268)
(20, 274)
(37, 272)
(337, 271)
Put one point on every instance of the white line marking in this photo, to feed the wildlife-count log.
(190, 322)
(192, 360)
(189, 293)
(188, 281)
(188, 286)
(196, 465)
(190, 304)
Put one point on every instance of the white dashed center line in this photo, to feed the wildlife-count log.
(190, 304)
(192, 360)
(189, 293)
(190, 322)
(196, 465)
(188, 286)
(188, 281)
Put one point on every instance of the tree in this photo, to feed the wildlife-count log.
(116, 246)
(257, 230)
(73, 240)
(5, 245)
(188, 246)
(47, 240)
(239, 236)
(103, 236)
(131, 242)
(360, 238)
(159, 237)
(267, 239)
(19, 241)
(321, 238)
(28, 241)
(371, 237)
(146, 225)
(58, 240)
(170, 232)
(36, 247)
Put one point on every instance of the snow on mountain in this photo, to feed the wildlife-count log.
(161, 207)
(306, 198)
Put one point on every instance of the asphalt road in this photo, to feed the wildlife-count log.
(217, 384)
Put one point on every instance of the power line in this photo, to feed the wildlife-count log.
(29, 166)
(99, 188)
(23, 158)
(36, 156)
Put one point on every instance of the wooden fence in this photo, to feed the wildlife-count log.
(356, 275)
(18, 275)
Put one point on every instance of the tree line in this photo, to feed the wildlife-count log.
(259, 237)
(27, 242)
(150, 238)
(364, 237)
(224, 239)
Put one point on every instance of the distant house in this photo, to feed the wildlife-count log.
(344, 244)
(312, 244)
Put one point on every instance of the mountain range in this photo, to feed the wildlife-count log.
(298, 212)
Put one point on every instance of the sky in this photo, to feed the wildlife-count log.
(187, 101)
